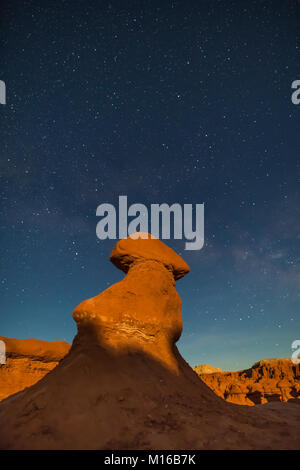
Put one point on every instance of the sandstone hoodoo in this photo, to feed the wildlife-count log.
(124, 385)
(142, 312)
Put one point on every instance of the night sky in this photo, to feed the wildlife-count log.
(163, 101)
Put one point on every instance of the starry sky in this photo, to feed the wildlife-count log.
(163, 101)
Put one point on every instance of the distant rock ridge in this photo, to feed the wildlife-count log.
(143, 311)
(28, 361)
(124, 385)
(267, 380)
(206, 369)
(46, 351)
(143, 247)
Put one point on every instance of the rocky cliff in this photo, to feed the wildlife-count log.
(266, 381)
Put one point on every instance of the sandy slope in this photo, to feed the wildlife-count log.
(95, 401)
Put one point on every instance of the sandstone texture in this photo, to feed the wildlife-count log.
(145, 247)
(124, 385)
(27, 361)
(266, 381)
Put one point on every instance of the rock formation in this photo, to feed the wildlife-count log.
(143, 312)
(266, 381)
(27, 361)
(124, 385)
(206, 369)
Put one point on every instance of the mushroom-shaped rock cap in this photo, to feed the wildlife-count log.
(143, 246)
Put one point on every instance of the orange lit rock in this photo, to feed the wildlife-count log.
(267, 380)
(141, 312)
(206, 369)
(27, 361)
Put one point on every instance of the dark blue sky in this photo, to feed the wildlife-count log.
(162, 101)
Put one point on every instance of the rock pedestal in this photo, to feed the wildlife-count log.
(143, 311)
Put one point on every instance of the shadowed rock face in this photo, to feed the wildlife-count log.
(124, 385)
(267, 380)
